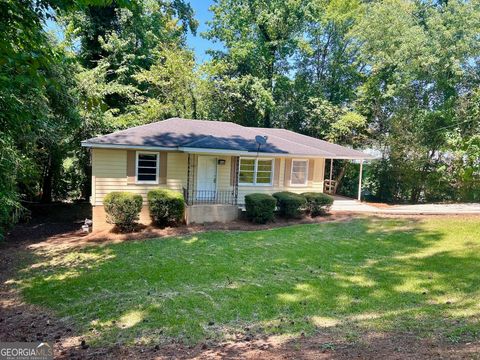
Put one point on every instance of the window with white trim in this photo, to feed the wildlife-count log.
(255, 171)
(147, 167)
(299, 172)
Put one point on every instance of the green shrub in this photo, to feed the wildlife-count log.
(122, 209)
(260, 207)
(317, 203)
(166, 206)
(290, 205)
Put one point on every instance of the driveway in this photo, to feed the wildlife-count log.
(343, 204)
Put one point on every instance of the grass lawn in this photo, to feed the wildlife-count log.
(421, 276)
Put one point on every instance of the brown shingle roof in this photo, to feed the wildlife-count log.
(184, 134)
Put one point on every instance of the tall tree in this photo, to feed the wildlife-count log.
(328, 59)
(117, 43)
(120, 40)
(327, 74)
(35, 102)
(419, 58)
(259, 37)
(171, 86)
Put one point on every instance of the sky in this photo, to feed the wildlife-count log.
(197, 43)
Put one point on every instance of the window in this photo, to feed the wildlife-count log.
(247, 171)
(299, 172)
(264, 172)
(255, 171)
(147, 167)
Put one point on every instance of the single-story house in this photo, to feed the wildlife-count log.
(215, 164)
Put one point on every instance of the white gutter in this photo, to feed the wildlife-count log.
(222, 152)
(132, 147)
(255, 153)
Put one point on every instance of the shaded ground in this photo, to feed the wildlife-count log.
(20, 322)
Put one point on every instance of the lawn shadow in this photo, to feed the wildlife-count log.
(364, 273)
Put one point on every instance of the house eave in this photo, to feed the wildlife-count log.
(129, 147)
(269, 154)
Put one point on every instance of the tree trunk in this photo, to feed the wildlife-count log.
(194, 104)
(47, 182)
(87, 170)
(340, 176)
(267, 119)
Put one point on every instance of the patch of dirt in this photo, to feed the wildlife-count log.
(23, 322)
(68, 235)
(239, 225)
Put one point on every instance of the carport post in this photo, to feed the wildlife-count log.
(331, 173)
(360, 181)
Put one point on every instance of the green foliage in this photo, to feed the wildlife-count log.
(172, 85)
(420, 58)
(10, 207)
(317, 203)
(123, 209)
(118, 42)
(259, 38)
(260, 208)
(290, 205)
(397, 76)
(334, 123)
(37, 106)
(166, 207)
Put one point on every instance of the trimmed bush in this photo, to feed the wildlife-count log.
(122, 209)
(318, 203)
(290, 205)
(166, 206)
(260, 207)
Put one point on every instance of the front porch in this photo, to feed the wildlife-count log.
(210, 205)
(213, 180)
(210, 197)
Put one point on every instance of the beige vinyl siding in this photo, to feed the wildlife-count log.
(109, 173)
(315, 185)
(223, 174)
(177, 164)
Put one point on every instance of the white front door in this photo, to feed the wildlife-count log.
(206, 178)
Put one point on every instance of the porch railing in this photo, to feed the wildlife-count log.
(329, 186)
(195, 197)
